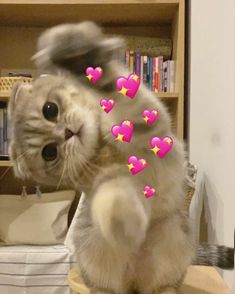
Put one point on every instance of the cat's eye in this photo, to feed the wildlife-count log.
(50, 151)
(50, 111)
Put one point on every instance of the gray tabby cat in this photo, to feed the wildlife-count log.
(125, 243)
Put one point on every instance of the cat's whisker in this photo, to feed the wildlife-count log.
(63, 171)
(10, 167)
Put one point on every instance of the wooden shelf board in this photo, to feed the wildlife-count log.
(5, 163)
(166, 95)
(116, 12)
(4, 96)
(103, 2)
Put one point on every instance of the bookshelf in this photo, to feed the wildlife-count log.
(21, 22)
(5, 163)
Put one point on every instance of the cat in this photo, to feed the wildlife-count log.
(61, 137)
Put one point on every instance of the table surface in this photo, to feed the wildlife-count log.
(198, 280)
(203, 280)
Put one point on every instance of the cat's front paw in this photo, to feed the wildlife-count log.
(121, 219)
(61, 44)
(74, 47)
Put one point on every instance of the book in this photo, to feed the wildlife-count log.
(155, 72)
(127, 58)
(1, 131)
(4, 129)
(172, 76)
(145, 69)
(141, 67)
(160, 74)
(131, 61)
(164, 84)
(137, 63)
(147, 75)
(150, 73)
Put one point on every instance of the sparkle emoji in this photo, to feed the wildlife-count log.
(136, 165)
(150, 116)
(149, 192)
(161, 147)
(123, 132)
(94, 74)
(128, 86)
(107, 105)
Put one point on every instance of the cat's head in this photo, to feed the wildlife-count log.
(54, 130)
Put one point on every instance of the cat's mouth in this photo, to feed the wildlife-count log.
(69, 133)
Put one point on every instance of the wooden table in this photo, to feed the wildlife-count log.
(199, 280)
(203, 280)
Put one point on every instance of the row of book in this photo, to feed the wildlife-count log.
(4, 130)
(158, 74)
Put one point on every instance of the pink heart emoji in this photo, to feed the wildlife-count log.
(149, 191)
(136, 165)
(128, 86)
(150, 116)
(94, 75)
(107, 105)
(161, 146)
(123, 132)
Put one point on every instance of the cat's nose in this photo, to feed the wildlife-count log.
(68, 134)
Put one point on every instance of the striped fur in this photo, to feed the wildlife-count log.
(214, 255)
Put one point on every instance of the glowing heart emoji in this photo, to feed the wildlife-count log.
(128, 86)
(161, 146)
(136, 165)
(150, 116)
(107, 105)
(149, 191)
(124, 132)
(94, 75)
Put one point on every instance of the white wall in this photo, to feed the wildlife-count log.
(212, 116)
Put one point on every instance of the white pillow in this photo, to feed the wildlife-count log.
(35, 221)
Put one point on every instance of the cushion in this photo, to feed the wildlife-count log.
(35, 221)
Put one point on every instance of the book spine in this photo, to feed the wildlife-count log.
(168, 75)
(8, 129)
(141, 67)
(145, 70)
(153, 73)
(131, 64)
(137, 63)
(161, 74)
(1, 131)
(172, 76)
(150, 73)
(127, 58)
(156, 75)
(4, 131)
(165, 76)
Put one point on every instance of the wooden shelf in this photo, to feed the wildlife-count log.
(5, 163)
(4, 96)
(166, 95)
(47, 13)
